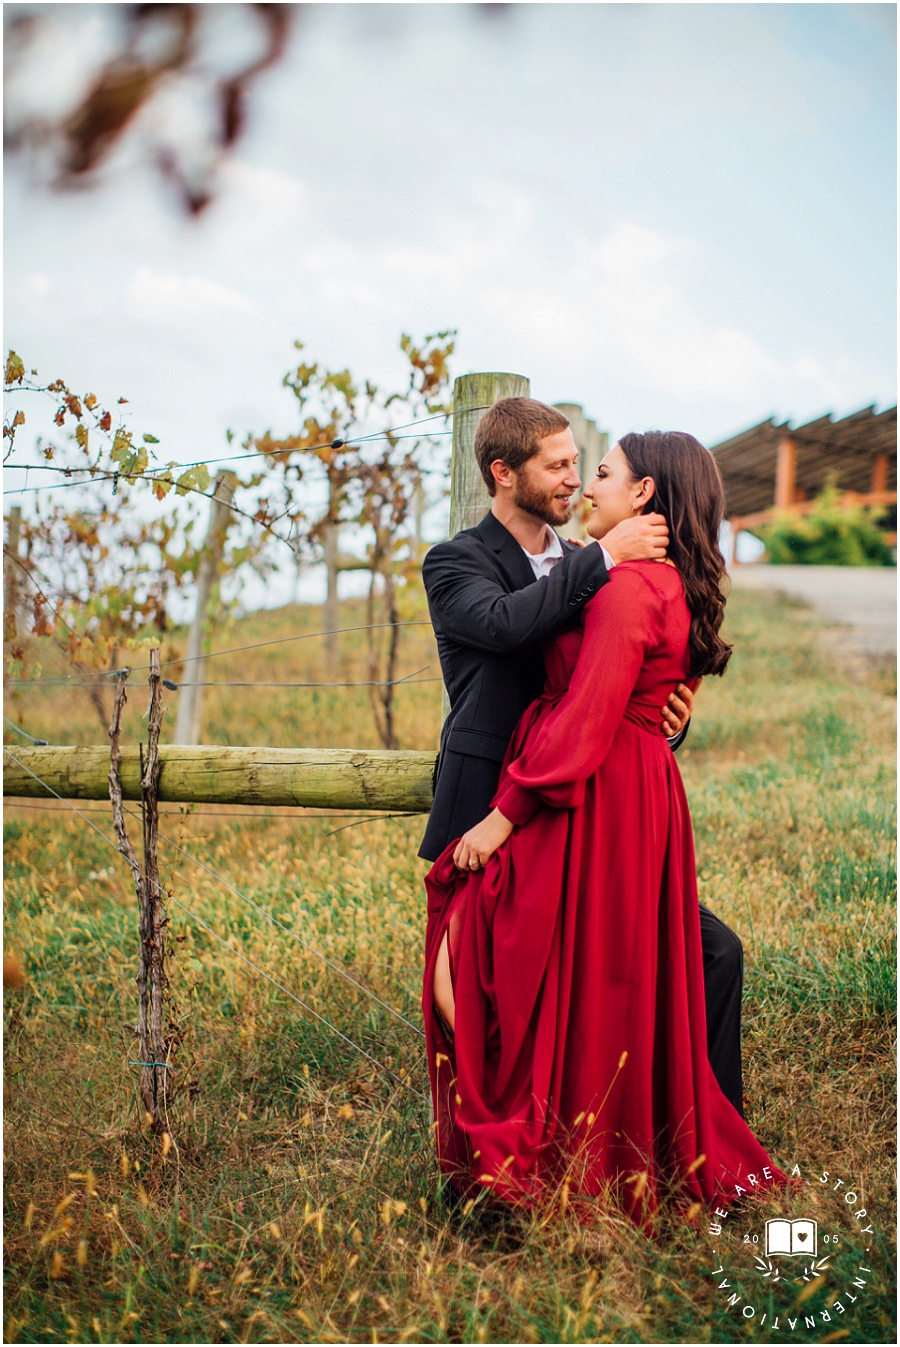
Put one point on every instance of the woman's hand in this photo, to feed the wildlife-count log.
(477, 846)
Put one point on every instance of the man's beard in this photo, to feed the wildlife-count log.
(539, 503)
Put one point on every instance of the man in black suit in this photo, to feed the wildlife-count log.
(495, 592)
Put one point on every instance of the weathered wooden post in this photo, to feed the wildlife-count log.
(469, 498)
(11, 574)
(190, 696)
(330, 548)
(156, 1046)
(472, 395)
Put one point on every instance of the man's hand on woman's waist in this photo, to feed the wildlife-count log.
(678, 709)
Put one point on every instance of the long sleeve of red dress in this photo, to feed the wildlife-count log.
(621, 625)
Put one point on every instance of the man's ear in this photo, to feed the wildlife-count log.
(502, 473)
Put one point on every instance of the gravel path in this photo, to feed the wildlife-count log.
(863, 598)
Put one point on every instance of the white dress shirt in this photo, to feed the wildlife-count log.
(543, 563)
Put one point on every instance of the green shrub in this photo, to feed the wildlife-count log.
(831, 534)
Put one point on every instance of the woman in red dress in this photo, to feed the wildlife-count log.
(564, 1000)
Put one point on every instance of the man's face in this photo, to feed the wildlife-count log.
(545, 484)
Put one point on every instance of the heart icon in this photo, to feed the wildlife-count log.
(802, 1235)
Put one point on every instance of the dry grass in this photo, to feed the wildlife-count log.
(301, 1201)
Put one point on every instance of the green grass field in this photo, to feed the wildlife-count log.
(301, 1201)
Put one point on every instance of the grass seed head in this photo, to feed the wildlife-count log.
(13, 971)
(50, 1235)
(81, 1253)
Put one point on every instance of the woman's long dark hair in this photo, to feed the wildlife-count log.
(689, 493)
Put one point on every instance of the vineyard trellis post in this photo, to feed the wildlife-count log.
(11, 575)
(156, 1046)
(330, 546)
(469, 498)
(190, 697)
(472, 395)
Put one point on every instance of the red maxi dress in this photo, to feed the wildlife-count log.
(580, 1063)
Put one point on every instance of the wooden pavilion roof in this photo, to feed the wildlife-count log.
(845, 450)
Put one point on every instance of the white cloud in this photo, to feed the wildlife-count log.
(184, 301)
(34, 285)
(260, 201)
(617, 304)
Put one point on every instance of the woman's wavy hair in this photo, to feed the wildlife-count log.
(689, 493)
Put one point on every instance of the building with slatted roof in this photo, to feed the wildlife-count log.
(774, 467)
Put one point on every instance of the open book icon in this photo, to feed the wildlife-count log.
(791, 1237)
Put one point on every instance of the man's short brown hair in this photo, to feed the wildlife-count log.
(512, 431)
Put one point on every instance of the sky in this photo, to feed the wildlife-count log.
(679, 216)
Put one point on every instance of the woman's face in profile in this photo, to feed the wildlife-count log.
(614, 494)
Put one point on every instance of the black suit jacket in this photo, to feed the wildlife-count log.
(490, 617)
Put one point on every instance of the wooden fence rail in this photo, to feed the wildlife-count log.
(329, 778)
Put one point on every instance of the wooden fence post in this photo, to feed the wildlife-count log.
(156, 1045)
(11, 574)
(472, 395)
(331, 611)
(469, 498)
(190, 696)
